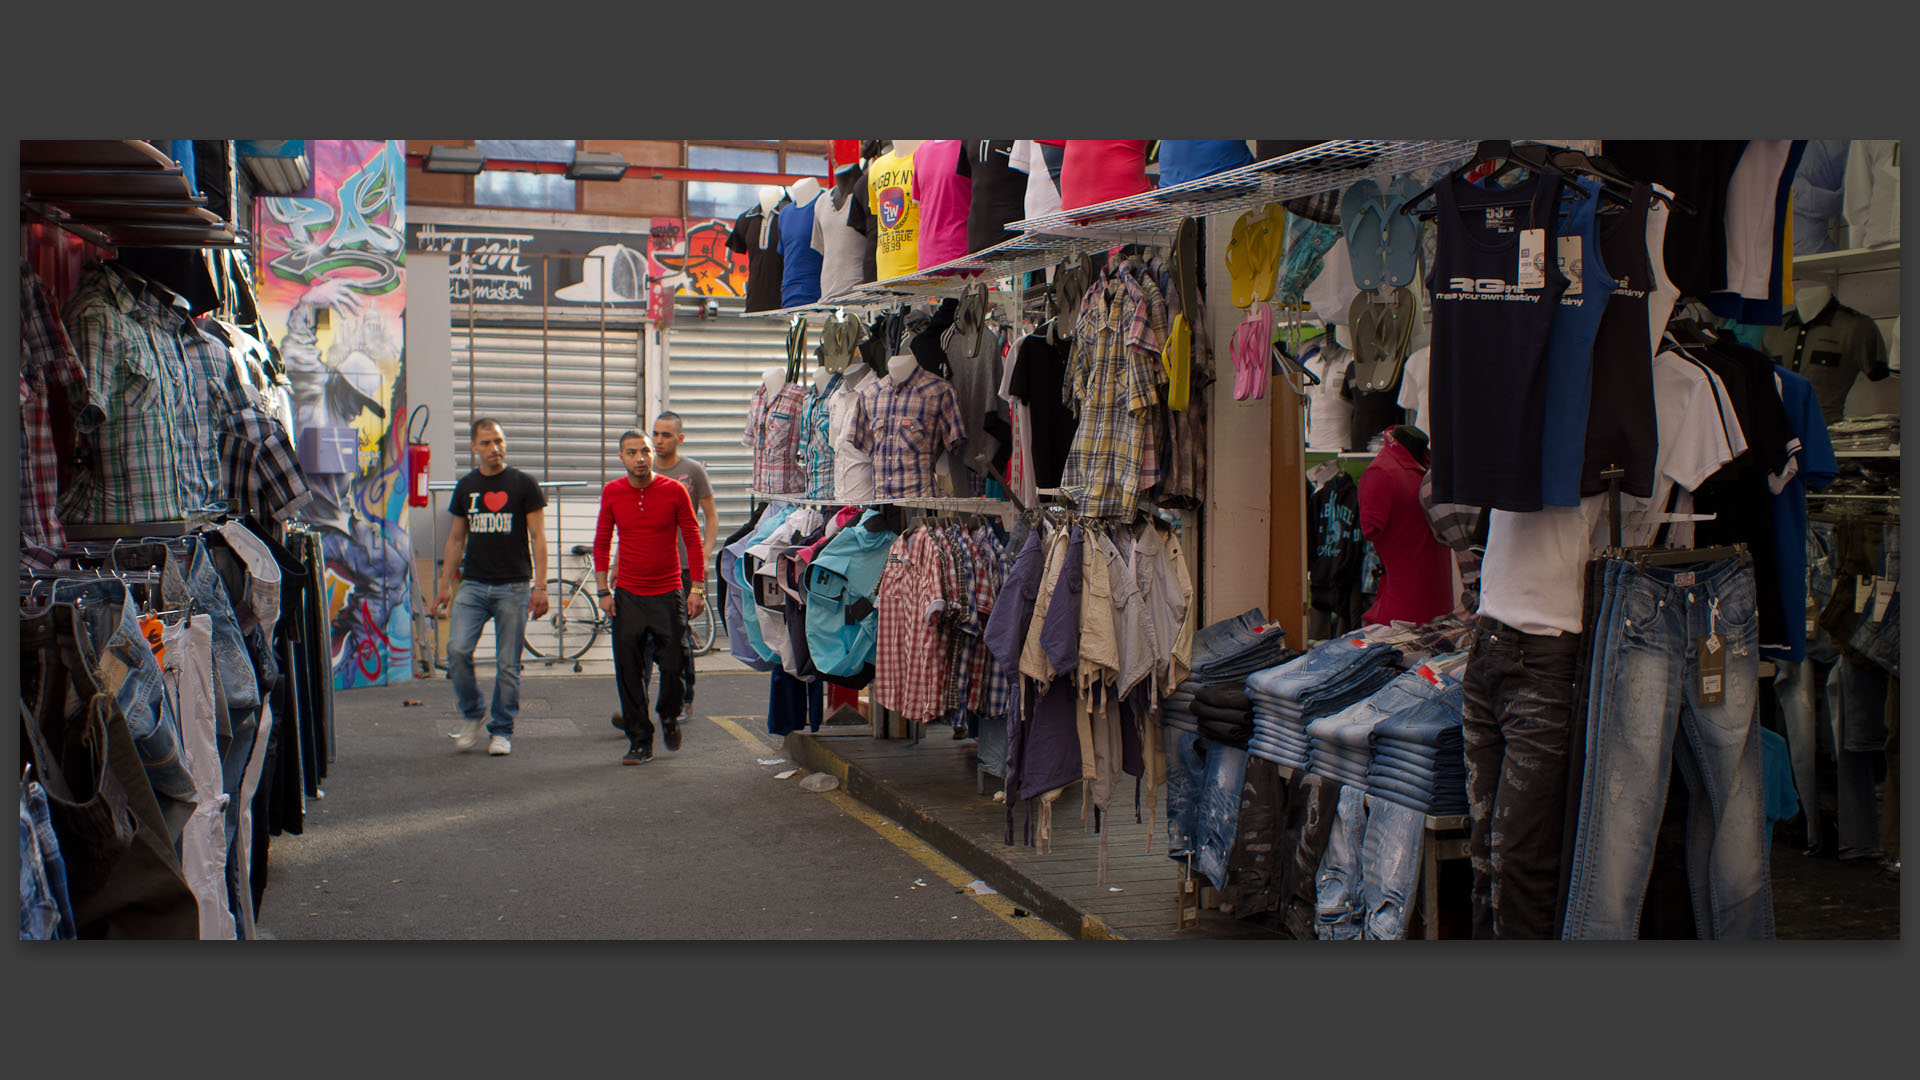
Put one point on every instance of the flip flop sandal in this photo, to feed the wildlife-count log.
(1242, 264)
(1262, 363)
(1306, 259)
(1381, 332)
(1365, 230)
(1400, 259)
(1270, 246)
(1237, 352)
(1177, 359)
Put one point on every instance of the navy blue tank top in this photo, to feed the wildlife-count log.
(1488, 364)
(1563, 435)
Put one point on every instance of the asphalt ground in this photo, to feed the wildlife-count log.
(558, 840)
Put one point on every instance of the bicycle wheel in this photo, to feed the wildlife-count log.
(571, 625)
(705, 630)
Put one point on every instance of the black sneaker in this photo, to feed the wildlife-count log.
(671, 729)
(619, 723)
(637, 755)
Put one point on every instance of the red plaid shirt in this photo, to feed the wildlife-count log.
(910, 650)
(48, 363)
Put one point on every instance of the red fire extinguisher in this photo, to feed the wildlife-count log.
(418, 455)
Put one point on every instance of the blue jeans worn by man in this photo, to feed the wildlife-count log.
(1650, 718)
(504, 605)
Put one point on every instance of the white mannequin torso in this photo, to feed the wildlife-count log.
(1809, 299)
(821, 377)
(900, 368)
(804, 191)
(774, 379)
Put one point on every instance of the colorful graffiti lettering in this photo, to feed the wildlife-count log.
(336, 281)
(366, 245)
(698, 262)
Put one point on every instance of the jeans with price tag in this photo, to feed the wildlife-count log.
(1650, 716)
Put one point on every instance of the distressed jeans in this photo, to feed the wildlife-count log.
(1219, 809)
(1186, 770)
(1651, 718)
(1389, 868)
(1517, 707)
(1339, 886)
(504, 605)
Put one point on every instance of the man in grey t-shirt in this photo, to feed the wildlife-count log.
(668, 433)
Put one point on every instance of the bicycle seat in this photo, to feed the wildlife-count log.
(582, 549)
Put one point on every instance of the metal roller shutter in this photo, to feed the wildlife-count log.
(563, 395)
(711, 370)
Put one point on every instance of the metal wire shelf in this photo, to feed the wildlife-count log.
(1152, 217)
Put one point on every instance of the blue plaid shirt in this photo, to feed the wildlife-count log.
(903, 428)
(816, 447)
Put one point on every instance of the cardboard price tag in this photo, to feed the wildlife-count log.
(1862, 593)
(1882, 596)
(1532, 271)
(1713, 670)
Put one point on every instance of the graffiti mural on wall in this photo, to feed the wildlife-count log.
(335, 287)
(691, 258)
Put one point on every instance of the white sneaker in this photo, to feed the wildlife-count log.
(500, 746)
(468, 736)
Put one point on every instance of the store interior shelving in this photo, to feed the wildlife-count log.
(117, 192)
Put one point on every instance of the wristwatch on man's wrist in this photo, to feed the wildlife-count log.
(606, 592)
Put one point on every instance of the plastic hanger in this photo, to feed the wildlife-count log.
(1489, 150)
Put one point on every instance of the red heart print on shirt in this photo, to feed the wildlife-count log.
(495, 500)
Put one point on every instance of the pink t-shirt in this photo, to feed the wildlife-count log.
(945, 199)
(1098, 170)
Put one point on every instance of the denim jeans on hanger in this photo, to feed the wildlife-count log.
(142, 696)
(1651, 719)
(1856, 711)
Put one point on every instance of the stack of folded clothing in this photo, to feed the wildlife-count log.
(1330, 677)
(1225, 714)
(1177, 708)
(1224, 654)
(1419, 757)
(1880, 431)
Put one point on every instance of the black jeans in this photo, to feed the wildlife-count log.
(648, 630)
(1518, 708)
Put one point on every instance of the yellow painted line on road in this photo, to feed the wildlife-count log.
(944, 868)
(731, 727)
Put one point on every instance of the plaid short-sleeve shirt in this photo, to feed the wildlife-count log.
(816, 449)
(1113, 382)
(904, 428)
(773, 434)
(48, 364)
(130, 465)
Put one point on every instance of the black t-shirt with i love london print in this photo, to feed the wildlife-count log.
(496, 509)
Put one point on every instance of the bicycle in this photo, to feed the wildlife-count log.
(574, 621)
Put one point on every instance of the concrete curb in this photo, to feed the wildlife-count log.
(811, 752)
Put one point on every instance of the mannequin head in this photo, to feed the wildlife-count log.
(1809, 299)
(804, 190)
(774, 379)
(901, 368)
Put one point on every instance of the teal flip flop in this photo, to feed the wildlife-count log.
(1361, 223)
(1400, 260)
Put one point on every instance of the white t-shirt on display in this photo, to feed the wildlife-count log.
(1753, 193)
(1533, 577)
(1329, 416)
(1413, 388)
(1694, 444)
(1042, 196)
(1665, 295)
(852, 467)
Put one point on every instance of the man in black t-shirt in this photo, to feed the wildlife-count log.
(499, 525)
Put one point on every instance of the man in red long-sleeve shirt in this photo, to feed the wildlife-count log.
(649, 617)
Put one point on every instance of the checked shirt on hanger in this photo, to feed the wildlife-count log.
(48, 362)
(1113, 380)
(904, 428)
(773, 434)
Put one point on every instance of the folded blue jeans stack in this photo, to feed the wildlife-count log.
(1419, 756)
(1330, 677)
(1223, 654)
